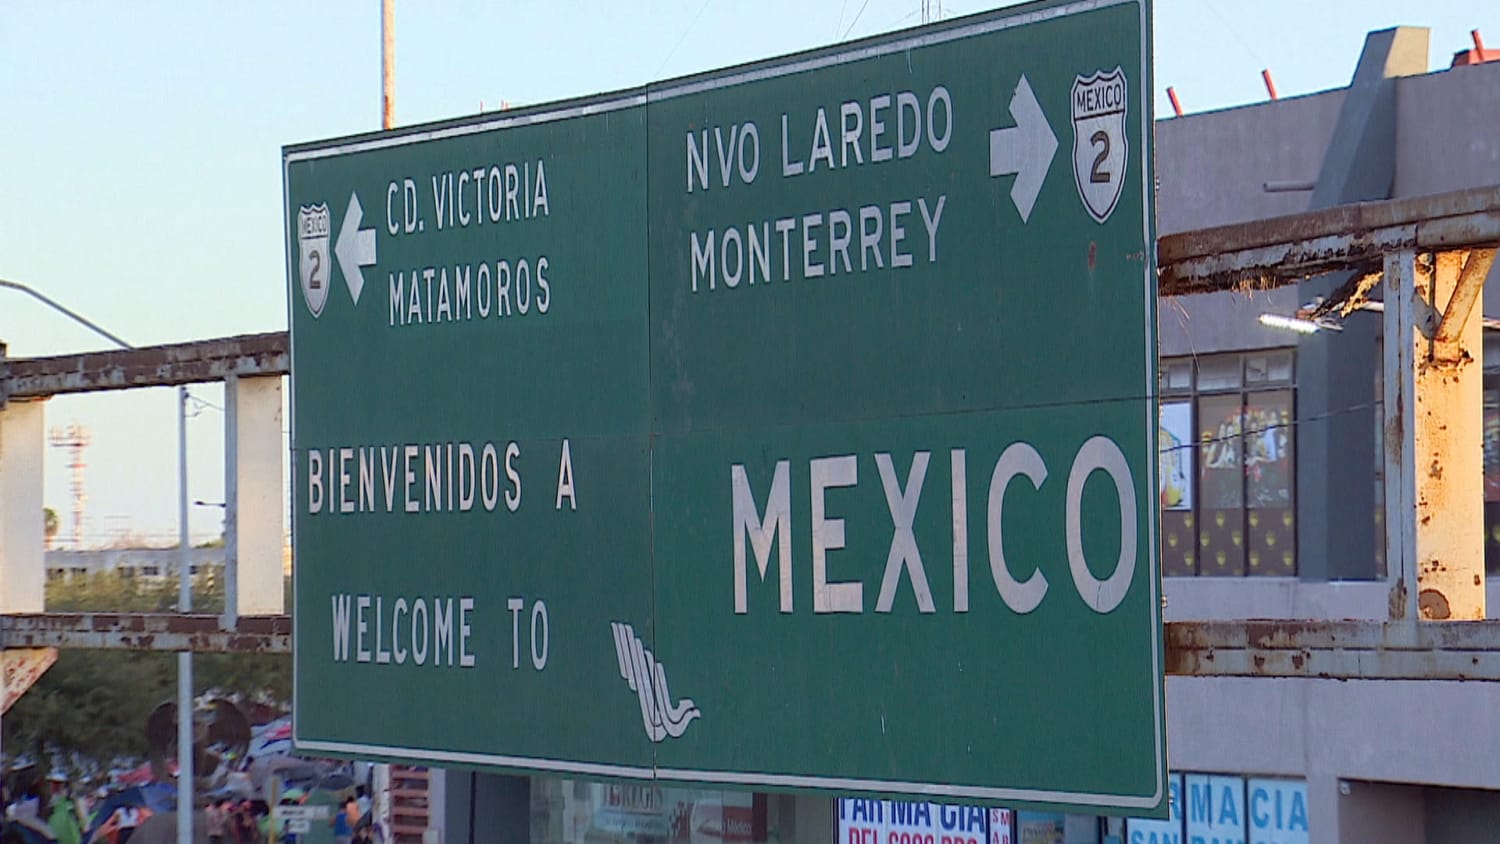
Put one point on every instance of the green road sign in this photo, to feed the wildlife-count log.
(790, 426)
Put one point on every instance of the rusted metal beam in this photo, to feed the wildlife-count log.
(149, 366)
(200, 633)
(1283, 250)
(1337, 650)
(1470, 287)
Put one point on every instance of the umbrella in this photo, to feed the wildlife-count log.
(26, 833)
(162, 829)
(134, 797)
(159, 796)
(225, 793)
(280, 728)
(271, 739)
(336, 781)
(273, 747)
(136, 776)
(220, 732)
(289, 768)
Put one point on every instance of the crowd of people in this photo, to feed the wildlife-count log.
(237, 821)
(48, 811)
(352, 824)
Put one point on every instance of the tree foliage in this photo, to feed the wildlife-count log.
(90, 708)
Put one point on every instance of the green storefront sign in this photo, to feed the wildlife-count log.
(790, 426)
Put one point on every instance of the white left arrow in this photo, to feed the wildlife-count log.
(355, 248)
(1025, 149)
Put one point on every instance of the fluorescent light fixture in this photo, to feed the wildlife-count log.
(1286, 323)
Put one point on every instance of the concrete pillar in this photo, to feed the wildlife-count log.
(253, 490)
(1450, 442)
(437, 797)
(23, 568)
(815, 820)
(1374, 813)
(1433, 407)
(380, 795)
(1337, 535)
(498, 809)
(1323, 807)
(1360, 163)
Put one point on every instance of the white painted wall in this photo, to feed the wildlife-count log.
(23, 578)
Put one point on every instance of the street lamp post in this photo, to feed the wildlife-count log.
(184, 658)
(40, 297)
(185, 582)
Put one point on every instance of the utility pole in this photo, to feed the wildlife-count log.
(387, 63)
(184, 658)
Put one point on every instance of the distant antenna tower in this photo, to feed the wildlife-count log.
(75, 438)
(932, 10)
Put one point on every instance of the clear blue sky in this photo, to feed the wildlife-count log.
(140, 178)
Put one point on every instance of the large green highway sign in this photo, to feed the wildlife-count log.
(791, 426)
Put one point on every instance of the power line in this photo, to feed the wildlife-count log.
(683, 37)
(903, 19)
(1235, 32)
(857, 15)
(1321, 417)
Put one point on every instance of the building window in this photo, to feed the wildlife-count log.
(1491, 455)
(1228, 500)
(150, 571)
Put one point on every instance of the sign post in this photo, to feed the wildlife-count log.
(791, 426)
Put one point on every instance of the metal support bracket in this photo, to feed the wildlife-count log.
(1353, 295)
(1335, 650)
(1470, 287)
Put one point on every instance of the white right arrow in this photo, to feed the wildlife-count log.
(1025, 149)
